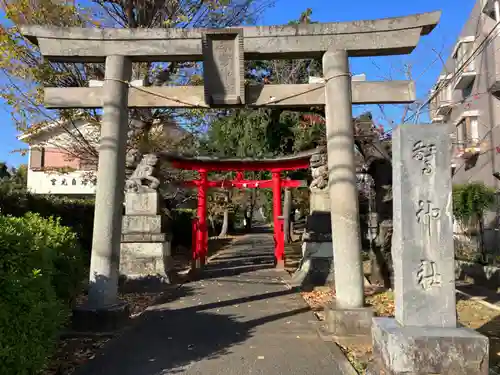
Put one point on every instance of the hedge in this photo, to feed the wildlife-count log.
(40, 275)
(75, 213)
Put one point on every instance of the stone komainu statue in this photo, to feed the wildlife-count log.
(319, 170)
(144, 176)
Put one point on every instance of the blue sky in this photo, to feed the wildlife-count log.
(455, 12)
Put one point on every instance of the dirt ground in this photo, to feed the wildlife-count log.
(471, 314)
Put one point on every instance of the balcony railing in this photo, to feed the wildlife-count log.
(465, 68)
(444, 103)
(467, 149)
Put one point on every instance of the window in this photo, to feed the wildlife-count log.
(467, 91)
(467, 131)
(37, 158)
(445, 93)
(463, 51)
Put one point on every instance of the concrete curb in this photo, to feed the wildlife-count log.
(478, 300)
(341, 364)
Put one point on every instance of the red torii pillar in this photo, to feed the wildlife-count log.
(202, 232)
(279, 240)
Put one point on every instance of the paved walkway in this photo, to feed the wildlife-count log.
(239, 320)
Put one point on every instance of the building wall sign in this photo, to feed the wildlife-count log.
(72, 183)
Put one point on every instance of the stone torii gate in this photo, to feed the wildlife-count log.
(223, 52)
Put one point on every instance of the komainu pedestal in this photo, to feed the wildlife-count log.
(424, 337)
(145, 248)
(316, 267)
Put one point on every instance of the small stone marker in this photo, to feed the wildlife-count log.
(422, 246)
(424, 337)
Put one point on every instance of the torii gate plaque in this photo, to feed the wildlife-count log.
(223, 52)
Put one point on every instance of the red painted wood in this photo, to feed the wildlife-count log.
(246, 184)
(273, 166)
(279, 250)
(194, 242)
(200, 227)
(202, 233)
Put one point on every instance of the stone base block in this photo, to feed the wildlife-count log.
(317, 250)
(103, 320)
(196, 270)
(346, 323)
(279, 263)
(144, 237)
(143, 259)
(319, 200)
(143, 203)
(399, 350)
(142, 224)
(314, 272)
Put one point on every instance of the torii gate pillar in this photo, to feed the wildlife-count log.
(105, 259)
(346, 237)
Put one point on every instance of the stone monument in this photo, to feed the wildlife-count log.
(424, 337)
(316, 266)
(145, 247)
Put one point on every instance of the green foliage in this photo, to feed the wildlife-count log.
(240, 134)
(75, 213)
(40, 272)
(4, 171)
(470, 201)
(67, 256)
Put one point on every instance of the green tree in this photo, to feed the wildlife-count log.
(4, 171)
(13, 178)
(470, 203)
(27, 72)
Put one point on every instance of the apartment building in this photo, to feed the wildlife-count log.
(467, 97)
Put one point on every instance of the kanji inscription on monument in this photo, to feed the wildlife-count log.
(426, 212)
(422, 248)
(427, 275)
(424, 152)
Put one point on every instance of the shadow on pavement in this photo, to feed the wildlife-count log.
(237, 301)
(171, 341)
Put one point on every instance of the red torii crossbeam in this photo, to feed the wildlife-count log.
(205, 165)
(245, 184)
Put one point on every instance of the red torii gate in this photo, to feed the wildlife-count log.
(203, 165)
